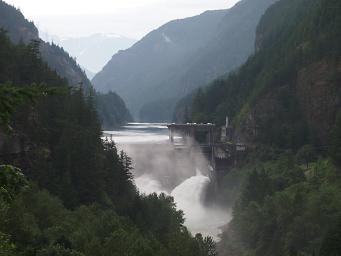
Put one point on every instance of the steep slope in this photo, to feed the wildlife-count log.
(180, 56)
(15, 23)
(64, 64)
(229, 48)
(288, 93)
(112, 110)
(89, 73)
(134, 72)
(285, 103)
(21, 30)
(74, 195)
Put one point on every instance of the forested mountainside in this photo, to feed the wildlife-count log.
(180, 56)
(135, 73)
(288, 93)
(112, 110)
(73, 194)
(21, 30)
(284, 103)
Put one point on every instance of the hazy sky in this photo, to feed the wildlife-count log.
(132, 18)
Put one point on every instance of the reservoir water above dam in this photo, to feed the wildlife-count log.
(160, 168)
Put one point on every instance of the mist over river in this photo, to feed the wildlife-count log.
(160, 168)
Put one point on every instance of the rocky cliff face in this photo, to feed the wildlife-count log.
(308, 94)
(318, 93)
(66, 67)
(288, 94)
(307, 108)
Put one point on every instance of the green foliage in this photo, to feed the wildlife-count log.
(331, 244)
(112, 110)
(81, 200)
(12, 181)
(207, 245)
(335, 140)
(68, 157)
(65, 65)
(284, 207)
(168, 220)
(58, 251)
(22, 65)
(39, 223)
(306, 154)
(23, 78)
(206, 46)
(291, 36)
(6, 247)
(282, 212)
(11, 97)
(22, 31)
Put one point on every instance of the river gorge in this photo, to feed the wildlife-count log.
(160, 168)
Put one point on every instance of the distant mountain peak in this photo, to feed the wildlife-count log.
(94, 51)
(181, 55)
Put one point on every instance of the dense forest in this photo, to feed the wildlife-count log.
(22, 31)
(63, 190)
(288, 93)
(112, 110)
(284, 103)
(66, 192)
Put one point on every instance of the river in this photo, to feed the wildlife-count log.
(159, 168)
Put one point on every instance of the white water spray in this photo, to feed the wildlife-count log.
(148, 185)
(160, 169)
(189, 197)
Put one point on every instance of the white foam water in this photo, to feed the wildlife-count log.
(148, 185)
(189, 197)
(138, 141)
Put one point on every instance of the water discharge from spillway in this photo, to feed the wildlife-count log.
(160, 169)
(189, 197)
